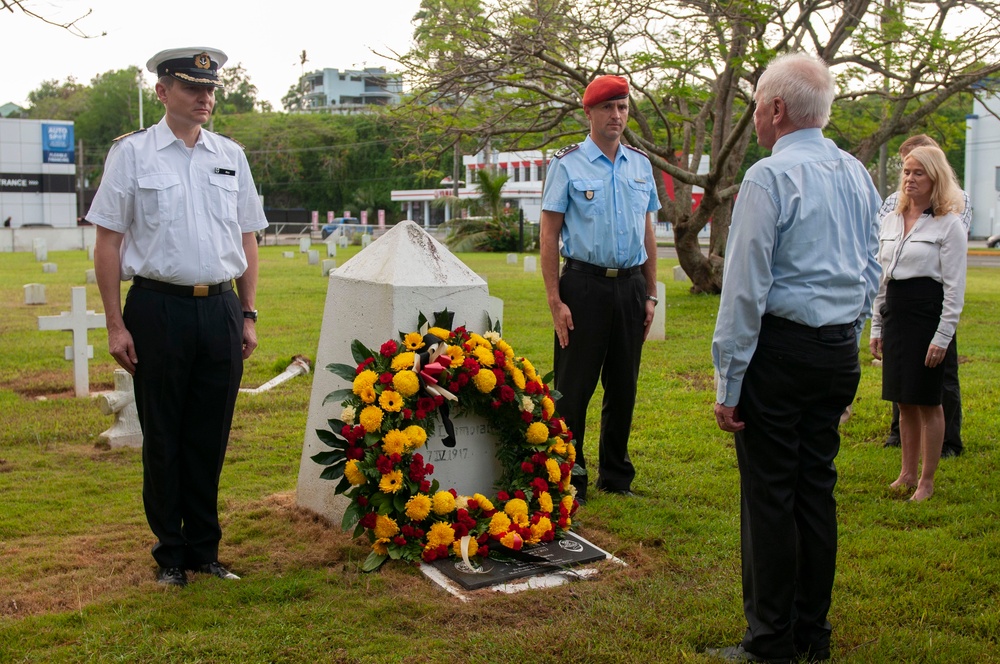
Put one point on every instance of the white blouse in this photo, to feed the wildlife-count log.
(936, 247)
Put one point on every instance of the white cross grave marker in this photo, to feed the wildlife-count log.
(78, 320)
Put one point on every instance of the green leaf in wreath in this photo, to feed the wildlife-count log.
(327, 458)
(345, 371)
(352, 515)
(360, 352)
(421, 321)
(373, 562)
(399, 501)
(332, 472)
(338, 396)
(331, 439)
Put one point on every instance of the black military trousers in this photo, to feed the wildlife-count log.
(186, 383)
(605, 344)
(797, 385)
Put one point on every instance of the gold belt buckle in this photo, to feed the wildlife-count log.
(611, 272)
(200, 290)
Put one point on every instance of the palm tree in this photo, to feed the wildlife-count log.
(496, 231)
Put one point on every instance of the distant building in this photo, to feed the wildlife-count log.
(37, 172)
(982, 166)
(11, 110)
(351, 90)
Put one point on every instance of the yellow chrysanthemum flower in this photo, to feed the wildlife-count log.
(417, 436)
(354, 474)
(565, 484)
(552, 466)
(381, 546)
(406, 383)
(391, 482)
(440, 534)
(517, 376)
(571, 452)
(440, 333)
(529, 369)
(371, 418)
(548, 406)
(385, 527)
(511, 541)
(402, 361)
(368, 394)
(456, 354)
(473, 547)
(418, 507)
(485, 381)
(413, 341)
(537, 433)
(484, 356)
(539, 529)
(476, 340)
(395, 442)
(505, 348)
(516, 507)
(444, 503)
(390, 401)
(364, 379)
(545, 502)
(567, 502)
(484, 502)
(499, 524)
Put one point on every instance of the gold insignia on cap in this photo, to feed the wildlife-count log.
(589, 195)
(202, 61)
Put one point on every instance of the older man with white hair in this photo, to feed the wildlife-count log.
(800, 277)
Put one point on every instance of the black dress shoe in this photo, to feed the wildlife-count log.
(740, 654)
(949, 452)
(217, 570)
(891, 442)
(171, 576)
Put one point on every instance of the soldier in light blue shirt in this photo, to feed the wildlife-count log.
(597, 212)
(800, 278)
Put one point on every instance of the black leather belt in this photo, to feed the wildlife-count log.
(824, 332)
(198, 290)
(610, 272)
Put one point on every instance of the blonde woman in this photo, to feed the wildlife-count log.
(922, 250)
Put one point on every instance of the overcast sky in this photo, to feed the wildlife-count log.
(266, 36)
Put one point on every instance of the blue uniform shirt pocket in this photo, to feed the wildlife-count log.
(588, 197)
(639, 193)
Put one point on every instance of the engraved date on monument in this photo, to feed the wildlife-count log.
(449, 454)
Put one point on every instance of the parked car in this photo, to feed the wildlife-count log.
(993, 241)
(332, 226)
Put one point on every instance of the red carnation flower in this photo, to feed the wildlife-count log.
(368, 520)
(407, 413)
(507, 393)
(385, 378)
(389, 348)
(429, 468)
(527, 467)
(540, 484)
(496, 405)
(503, 496)
(463, 379)
(425, 486)
(499, 357)
(454, 386)
(527, 417)
(519, 494)
(399, 540)
(501, 376)
(362, 501)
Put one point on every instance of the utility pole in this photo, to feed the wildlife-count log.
(139, 81)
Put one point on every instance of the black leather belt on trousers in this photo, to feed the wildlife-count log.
(198, 290)
(824, 332)
(610, 272)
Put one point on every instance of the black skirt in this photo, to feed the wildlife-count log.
(910, 317)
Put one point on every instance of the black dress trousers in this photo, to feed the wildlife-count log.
(605, 344)
(186, 383)
(797, 385)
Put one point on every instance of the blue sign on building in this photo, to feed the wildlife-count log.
(57, 144)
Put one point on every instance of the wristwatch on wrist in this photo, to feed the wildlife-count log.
(652, 298)
(252, 315)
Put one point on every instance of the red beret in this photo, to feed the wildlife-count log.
(604, 88)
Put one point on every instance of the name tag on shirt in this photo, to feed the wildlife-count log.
(225, 171)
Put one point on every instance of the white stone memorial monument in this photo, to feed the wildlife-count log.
(50, 268)
(125, 432)
(288, 254)
(34, 293)
(328, 265)
(41, 250)
(530, 263)
(511, 259)
(331, 248)
(91, 276)
(79, 320)
(313, 257)
(658, 328)
(304, 244)
(342, 241)
(680, 274)
(366, 239)
(371, 297)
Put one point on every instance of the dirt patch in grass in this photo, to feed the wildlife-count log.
(698, 381)
(52, 384)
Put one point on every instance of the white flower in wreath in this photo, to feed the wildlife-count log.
(492, 337)
(527, 404)
(347, 415)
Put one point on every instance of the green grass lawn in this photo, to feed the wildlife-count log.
(915, 582)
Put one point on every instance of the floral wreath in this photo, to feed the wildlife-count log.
(390, 410)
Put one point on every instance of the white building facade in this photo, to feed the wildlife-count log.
(982, 166)
(351, 90)
(37, 172)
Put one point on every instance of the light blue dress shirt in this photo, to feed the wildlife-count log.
(604, 204)
(802, 246)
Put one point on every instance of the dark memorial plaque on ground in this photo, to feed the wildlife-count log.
(555, 556)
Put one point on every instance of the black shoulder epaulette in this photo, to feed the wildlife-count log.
(242, 147)
(562, 152)
(636, 149)
(137, 131)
